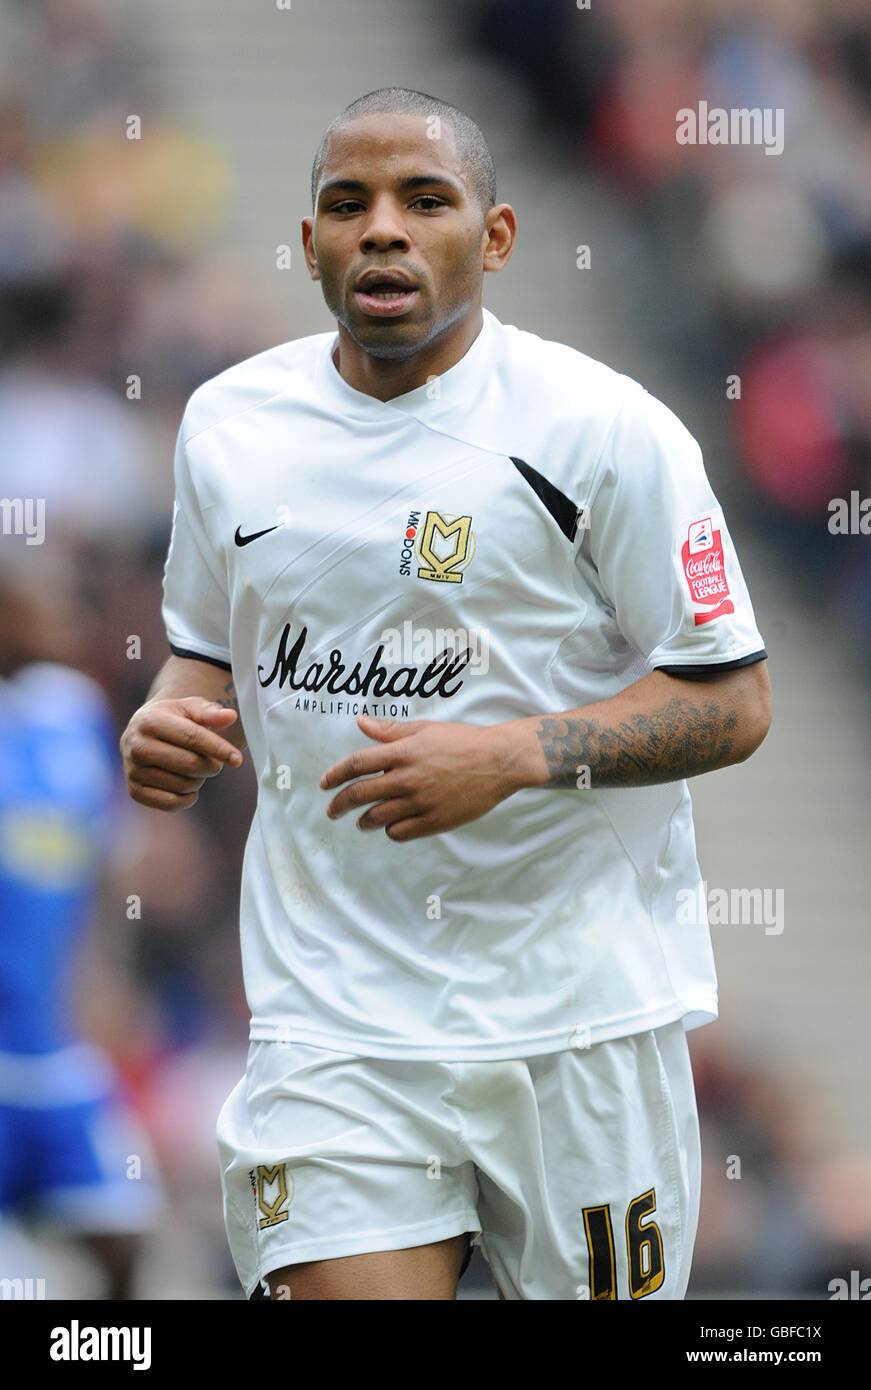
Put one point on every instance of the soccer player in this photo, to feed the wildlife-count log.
(67, 1135)
(473, 601)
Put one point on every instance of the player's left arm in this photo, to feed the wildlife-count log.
(435, 777)
(661, 729)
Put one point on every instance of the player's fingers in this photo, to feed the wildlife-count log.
(199, 708)
(158, 800)
(360, 763)
(390, 729)
(144, 751)
(168, 781)
(414, 828)
(386, 813)
(359, 793)
(186, 733)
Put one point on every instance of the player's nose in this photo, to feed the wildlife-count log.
(384, 227)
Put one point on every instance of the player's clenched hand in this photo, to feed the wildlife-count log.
(434, 776)
(170, 747)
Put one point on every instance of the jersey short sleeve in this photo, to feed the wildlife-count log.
(196, 606)
(660, 544)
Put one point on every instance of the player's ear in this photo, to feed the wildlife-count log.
(308, 247)
(499, 236)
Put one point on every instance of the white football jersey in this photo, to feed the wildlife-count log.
(527, 533)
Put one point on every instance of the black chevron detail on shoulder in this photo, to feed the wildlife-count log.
(564, 512)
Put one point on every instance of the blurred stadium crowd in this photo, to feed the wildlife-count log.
(116, 301)
(755, 266)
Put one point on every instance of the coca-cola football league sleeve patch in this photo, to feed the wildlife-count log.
(718, 628)
(662, 551)
(704, 568)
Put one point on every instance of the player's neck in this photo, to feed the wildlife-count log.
(385, 378)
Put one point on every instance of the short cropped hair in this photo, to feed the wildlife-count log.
(473, 149)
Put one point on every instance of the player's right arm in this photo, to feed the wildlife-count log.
(186, 731)
(189, 728)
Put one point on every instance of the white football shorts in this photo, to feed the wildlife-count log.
(578, 1173)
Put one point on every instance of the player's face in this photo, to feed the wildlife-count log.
(392, 200)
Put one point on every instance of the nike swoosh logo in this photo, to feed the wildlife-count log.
(255, 536)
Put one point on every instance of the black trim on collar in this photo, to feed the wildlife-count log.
(564, 512)
(699, 672)
(198, 656)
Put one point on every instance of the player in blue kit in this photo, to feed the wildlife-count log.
(67, 1138)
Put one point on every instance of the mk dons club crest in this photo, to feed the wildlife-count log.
(445, 545)
(273, 1189)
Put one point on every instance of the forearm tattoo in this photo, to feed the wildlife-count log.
(232, 700)
(676, 741)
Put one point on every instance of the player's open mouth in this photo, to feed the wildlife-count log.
(385, 302)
